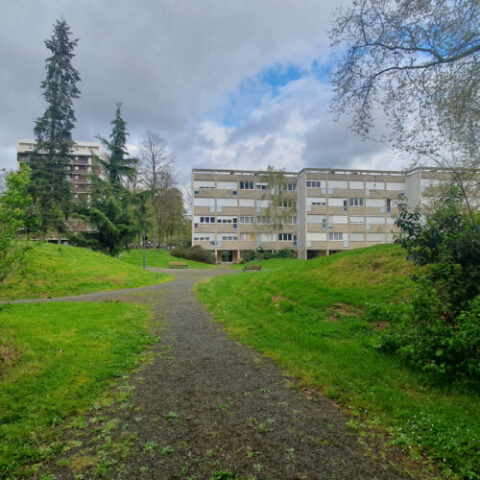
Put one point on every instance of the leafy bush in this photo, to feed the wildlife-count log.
(251, 255)
(419, 335)
(196, 253)
(438, 330)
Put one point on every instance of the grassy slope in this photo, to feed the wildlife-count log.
(308, 317)
(57, 359)
(56, 270)
(158, 259)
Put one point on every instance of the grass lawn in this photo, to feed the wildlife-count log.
(158, 258)
(308, 316)
(58, 270)
(57, 359)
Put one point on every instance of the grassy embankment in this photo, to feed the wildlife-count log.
(58, 359)
(58, 270)
(309, 317)
(158, 259)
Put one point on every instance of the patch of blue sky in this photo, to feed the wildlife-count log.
(268, 84)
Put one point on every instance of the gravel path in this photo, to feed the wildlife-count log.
(207, 404)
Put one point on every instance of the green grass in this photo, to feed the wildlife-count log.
(308, 316)
(58, 270)
(269, 264)
(158, 259)
(57, 359)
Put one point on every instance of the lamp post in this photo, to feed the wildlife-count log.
(144, 242)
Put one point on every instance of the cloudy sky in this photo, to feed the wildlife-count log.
(228, 83)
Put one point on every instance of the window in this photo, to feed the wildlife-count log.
(335, 236)
(319, 203)
(246, 220)
(389, 205)
(202, 238)
(264, 220)
(314, 184)
(287, 237)
(246, 185)
(289, 221)
(229, 238)
(207, 219)
(247, 237)
(226, 220)
(288, 203)
(356, 202)
(262, 186)
(291, 187)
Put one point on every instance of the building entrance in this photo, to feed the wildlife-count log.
(227, 256)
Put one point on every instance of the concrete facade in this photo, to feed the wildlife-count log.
(81, 163)
(81, 167)
(329, 210)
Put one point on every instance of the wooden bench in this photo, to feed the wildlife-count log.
(247, 268)
(177, 265)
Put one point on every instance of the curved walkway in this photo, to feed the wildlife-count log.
(209, 404)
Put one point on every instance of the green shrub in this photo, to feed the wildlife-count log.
(252, 255)
(196, 253)
(419, 335)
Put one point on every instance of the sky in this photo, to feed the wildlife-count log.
(238, 84)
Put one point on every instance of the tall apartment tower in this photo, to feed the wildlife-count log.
(81, 167)
(81, 163)
(329, 210)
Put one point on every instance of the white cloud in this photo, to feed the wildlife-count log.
(176, 67)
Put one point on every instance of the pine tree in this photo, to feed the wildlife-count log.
(53, 131)
(118, 165)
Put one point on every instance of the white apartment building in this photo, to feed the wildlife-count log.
(326, 210)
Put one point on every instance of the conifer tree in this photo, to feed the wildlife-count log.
(111, 210)
(118, 165)
(53, 131)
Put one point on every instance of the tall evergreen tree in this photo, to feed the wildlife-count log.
(118, 165)
(111, 209)
(53, 131)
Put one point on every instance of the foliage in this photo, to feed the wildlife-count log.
(167, 206)
(118, 165)
(165, 202)
(438, 331)
(314, 327)
(251, 255)
(418, 63)
(14, 203)
(419, 334)
(61, 270)
(111, 213)
(50, 162)
(281, 206)
(156, 258)
(110, 210)
(196, 253)
(59, 359)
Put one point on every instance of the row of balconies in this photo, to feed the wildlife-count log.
(244, 245)
(314, 228)
(254, 194)
(222, 228)
(310, 192)
(354, 211)
(315, 210)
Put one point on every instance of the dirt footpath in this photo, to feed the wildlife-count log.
(210, 408)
